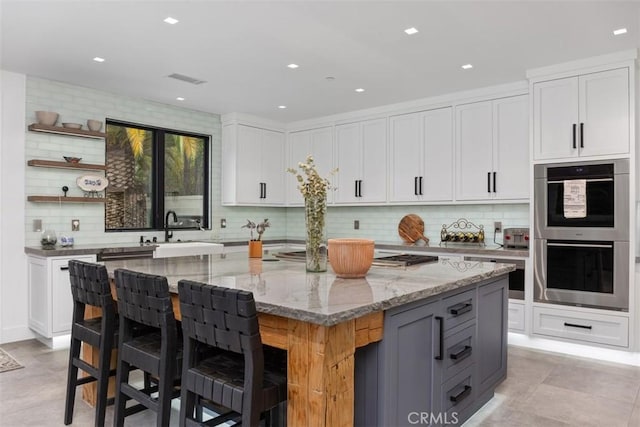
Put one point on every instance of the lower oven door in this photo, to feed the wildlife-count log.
(582, 273)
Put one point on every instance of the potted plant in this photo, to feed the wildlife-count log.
(255, 244)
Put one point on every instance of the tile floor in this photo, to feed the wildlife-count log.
(542, 389)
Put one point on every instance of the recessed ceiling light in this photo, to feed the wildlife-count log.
(359, 90)
(282, 107)
(467, 66)
(179, 98)
(620, 31)
(170, 20)
(98, 59)
(329, 78)
(411, 31)
(293, 66)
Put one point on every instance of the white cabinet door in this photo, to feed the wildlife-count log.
(555, 119)
(474, 139)
(61, 298)
(319, 144)
(272, 167)
(248, 164)
(604, 113)
(586, 115)
(349, 162)
(373, 186)
(39, 296)
(406, 156)
(438, 170)
(361, 150)
(511, 147)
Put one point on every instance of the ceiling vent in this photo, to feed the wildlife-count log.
(187, 79)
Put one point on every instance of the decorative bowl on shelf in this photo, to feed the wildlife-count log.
(351, 258)
(48, 118)
(94, 125)
(72, 125)
(72, 159)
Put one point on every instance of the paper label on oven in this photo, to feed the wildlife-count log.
(575, 198)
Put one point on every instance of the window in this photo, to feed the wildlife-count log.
(152, 171)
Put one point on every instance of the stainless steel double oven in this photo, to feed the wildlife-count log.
(582, 258)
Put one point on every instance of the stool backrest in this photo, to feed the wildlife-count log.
(90, 284)
(220, 317)
(144, 298)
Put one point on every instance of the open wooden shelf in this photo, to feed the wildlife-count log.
(62, 199)
(35, 127)
(65, 165)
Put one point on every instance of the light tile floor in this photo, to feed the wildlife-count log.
(541, 389)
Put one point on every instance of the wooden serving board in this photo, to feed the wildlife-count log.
(411, 229)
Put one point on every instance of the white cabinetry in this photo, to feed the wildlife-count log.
(253, 168)
(421, 156)
(492, 140)
(361, 150)
(317, 143)
(50, 300)
(585, 115)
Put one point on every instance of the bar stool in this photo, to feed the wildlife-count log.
(235, 377)
(144, 299)
(90, 286)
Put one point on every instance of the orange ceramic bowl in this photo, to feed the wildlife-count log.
(351, 258)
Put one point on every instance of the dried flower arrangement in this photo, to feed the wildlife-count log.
(260, 228)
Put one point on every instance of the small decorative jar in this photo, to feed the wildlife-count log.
(48, 239)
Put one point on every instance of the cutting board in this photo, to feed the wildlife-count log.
(411, 229)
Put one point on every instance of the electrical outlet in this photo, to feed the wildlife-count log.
(75, 225)
(497, 226)
(356, 224)
(37, 225)
(223, 223)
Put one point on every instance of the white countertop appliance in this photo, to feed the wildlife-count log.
(517, 238)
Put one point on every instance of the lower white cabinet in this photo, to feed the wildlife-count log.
(584, 326)
(516, 316)
(50, 300)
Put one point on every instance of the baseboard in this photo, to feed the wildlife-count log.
(573, 349)
(10, 335)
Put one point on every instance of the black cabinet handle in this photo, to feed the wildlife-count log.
(465, 352)
(420, 183)
(581, 135)
(356, 188)
(460, 396)
(265, 190)
(488, 182)
(574, 135)
(494, 182)
(574, 325)
(261, 191)
(441, 338)
(461, 308)
(415, 185)
(64, 268)
(359, 188)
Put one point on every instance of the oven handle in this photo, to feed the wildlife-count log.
(579, 245)
(587, 180)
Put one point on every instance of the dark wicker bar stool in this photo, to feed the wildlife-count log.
(144, 299)
(90, 286)
(235, 377)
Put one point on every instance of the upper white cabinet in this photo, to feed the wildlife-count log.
(421, 156)
(585, 115)
(317, 143)
(492, 145)
(253, 169)
(361, 150)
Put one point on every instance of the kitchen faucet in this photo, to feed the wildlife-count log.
(168, 234)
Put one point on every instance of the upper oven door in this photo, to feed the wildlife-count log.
(607, 201)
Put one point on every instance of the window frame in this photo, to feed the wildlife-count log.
(158, 192)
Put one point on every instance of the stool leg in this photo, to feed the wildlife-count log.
(104, 362)
(187, 406)
(164, 398)
(122, 376)
(72, 378)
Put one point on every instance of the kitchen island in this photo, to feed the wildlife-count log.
(351, 342)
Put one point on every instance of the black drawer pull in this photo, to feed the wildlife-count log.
(465, 352)
(441, 338)
(460, 396)
(65, 268)
(461, 308)
(574, 325)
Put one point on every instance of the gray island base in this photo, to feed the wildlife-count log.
(444, 339)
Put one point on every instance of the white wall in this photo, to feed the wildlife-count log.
(13, 265)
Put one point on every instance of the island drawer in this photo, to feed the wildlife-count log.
(581, 326)
(458, 392)
(459, 308)
(458, 351)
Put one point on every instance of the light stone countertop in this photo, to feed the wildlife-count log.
(284, 288)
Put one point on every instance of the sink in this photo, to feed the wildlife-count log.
(175, 249)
